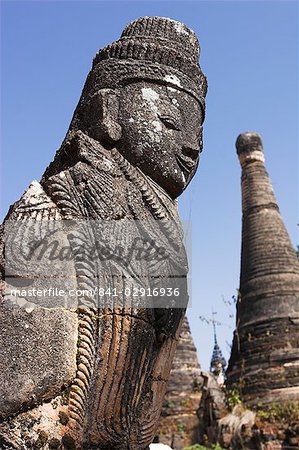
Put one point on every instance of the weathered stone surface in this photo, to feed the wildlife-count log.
(38, 346)
(179, 424)
(265, 356)
(212, 408)
(39, 356)
(132, 147)
(247, 429)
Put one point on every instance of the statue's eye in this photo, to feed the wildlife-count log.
(170, 123)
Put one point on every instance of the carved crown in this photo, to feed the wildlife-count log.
(153, 48)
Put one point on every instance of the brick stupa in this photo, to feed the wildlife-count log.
(264, 362)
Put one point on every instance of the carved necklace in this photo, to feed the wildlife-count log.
(150, 198)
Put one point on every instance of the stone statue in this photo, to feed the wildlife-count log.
(92, 373)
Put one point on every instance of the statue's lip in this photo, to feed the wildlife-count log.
(185, 163)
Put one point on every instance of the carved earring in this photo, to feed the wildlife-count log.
(111, 130)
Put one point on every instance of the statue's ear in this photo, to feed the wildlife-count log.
(109, 105)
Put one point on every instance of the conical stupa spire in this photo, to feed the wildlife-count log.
(183, 395)
(265, 357)
(218, 362)
(214, 330)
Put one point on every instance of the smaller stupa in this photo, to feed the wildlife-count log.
(218, 362)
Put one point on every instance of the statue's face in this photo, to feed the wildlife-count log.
(161, 133)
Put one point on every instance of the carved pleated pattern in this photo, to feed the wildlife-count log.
(127, 405)
(124, 364)
(146, 51)
(29, 221)
(161, 30)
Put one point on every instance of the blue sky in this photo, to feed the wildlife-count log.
(249, 52)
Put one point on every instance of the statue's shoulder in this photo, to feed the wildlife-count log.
(83, 178)
(79, 149)
(34, 204)
(86, 179)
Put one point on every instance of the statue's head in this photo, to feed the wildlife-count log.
(145, 96)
